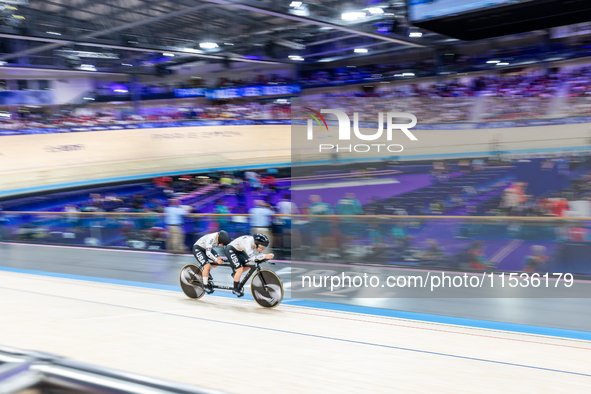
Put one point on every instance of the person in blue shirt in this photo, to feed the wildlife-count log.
(174, 219)
(260, 220)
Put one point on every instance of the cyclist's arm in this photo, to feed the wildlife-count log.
(209, 247)
(253, 255)
(260, 257)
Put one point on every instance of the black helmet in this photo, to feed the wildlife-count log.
(261, 240)
(224, 238)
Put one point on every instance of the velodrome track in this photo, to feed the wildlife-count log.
(32, 163)
(124, 310)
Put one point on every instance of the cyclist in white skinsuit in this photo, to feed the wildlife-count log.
(242, 251)
(204, 252)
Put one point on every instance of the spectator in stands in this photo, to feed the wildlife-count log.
(284, 207)
(401, 238)
(559, 207)
(321, 227)
(96, 200)
(71, 215)
(221, 208)
(253, 179)
(174, 219)
(153, 205)
(464, 166)
(269, 182)
(578, 232)
(287, 207)
(260, 220)
(163, 182)
(536, 260)
(350, 231)
(137, 203)
(226, 181)
(433, 251)
(476, 257)
(513, 198)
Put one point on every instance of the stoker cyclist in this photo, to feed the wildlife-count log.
(204, 252)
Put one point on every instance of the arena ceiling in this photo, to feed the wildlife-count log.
(146, 35)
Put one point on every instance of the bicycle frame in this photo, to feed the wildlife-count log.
(255, 267)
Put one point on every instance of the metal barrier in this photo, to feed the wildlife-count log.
(36, 372)
(503, 243)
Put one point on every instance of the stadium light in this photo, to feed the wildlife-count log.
(360, 50)
(415, 34)
(296, 57)
(502, 64)
(353, 16)
(493, 61)
(208, 45)
(295, 4)
(375, 10)
(54, 33)
(168, 54)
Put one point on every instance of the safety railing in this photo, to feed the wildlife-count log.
(38, 372)
(466, 242)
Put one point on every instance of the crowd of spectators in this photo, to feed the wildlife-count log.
(528, 95)
(218, 83)
(248, 111)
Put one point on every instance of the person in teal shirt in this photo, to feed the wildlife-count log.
(223, 221)
(349, 205)
(321, 226)
(350, 227)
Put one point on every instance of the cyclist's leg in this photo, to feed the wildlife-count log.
(231, 255)
(241, 263)
(242, 270)
(207, 267)
(200, 256)
(244, 265)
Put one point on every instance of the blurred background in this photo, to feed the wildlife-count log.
(110, 110)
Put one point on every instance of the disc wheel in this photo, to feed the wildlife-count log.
(191, 280)
(269, 295)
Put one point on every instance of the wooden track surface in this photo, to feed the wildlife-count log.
(236, 346)
(51, 159)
